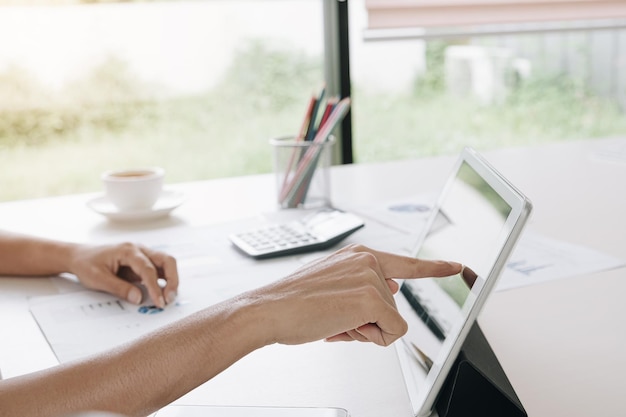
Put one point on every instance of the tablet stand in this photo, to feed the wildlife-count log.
(477, 384)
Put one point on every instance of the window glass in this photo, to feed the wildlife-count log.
(197, 87)
(429, 95)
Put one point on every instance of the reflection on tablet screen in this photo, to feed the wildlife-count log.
(433, 307)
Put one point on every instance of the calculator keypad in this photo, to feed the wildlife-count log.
(277, 238)
(316, 231)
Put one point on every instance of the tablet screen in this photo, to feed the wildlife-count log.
(472, 223)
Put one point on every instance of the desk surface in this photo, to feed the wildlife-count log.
(561, 343)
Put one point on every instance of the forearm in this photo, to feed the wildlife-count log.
(25, 255)
(145, 375)
(347, 295)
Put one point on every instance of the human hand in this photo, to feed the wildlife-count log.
(117, 268)
(345, 296)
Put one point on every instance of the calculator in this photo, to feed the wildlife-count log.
(319, 230)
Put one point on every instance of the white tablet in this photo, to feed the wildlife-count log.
(476, 221)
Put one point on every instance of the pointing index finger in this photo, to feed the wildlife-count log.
(398, 266)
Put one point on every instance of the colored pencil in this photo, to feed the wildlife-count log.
(308, 161)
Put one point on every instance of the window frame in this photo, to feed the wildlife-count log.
(337, 69)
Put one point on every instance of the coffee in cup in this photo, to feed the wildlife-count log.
(133, 189)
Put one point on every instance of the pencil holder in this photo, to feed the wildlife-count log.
(302, 171)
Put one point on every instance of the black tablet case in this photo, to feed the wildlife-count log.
(477, 384)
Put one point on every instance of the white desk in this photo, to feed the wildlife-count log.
(562, 344)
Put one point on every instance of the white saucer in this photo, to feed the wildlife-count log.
(167, 202)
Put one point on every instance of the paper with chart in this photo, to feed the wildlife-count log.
(77, 322)
(538, 259)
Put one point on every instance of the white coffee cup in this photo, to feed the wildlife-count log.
(133, 189)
